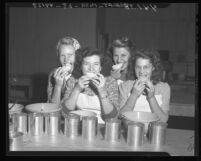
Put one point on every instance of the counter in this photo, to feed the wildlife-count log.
(178, 143)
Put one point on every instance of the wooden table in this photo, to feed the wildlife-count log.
(178, 143)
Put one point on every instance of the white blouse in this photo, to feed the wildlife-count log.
(90, 103)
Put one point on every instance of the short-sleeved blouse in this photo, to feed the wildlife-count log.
(161, 89)
(110, 84)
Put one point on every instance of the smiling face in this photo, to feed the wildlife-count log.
(66, 55)
(91, 64)
(143, 68)
(121, 55)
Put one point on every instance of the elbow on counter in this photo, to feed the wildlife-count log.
(66, 107)
(112, 114)
(164, 118)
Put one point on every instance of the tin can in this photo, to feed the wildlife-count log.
(89, 127)
(135, 134)
(71, 125)
(13, 127)
(112, 130)
(52, 123)
(157, 133)
(15, 141)
(36, 121)
(22, 120)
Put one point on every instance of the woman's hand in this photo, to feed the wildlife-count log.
(116, 74)
(150, 89)
(138, 87)
(83, 82)
(99, 81)
(59, 75)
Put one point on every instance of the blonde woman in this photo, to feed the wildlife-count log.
(66, 50)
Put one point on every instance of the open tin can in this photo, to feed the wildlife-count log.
(15, 141)
(112, 130)
(135, 134)
(89, 127)
(157, 133)
(36, 123)
(71, 125)
(52, 123)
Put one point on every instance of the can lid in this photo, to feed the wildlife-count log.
(13, 134)
(36, 114)
(159, 123)
(89, 118)
(22, 114)
(15, 114)
(54, 114)
(71, 115)
(139, 124)
(113, 120)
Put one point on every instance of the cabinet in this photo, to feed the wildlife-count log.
(20, 89)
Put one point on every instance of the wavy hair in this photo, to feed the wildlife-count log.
(80, 55)
(67, 41)
(124, 42)
(154, 58)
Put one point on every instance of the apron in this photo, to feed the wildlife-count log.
(90, 103)
(143, 105)
(119, 81)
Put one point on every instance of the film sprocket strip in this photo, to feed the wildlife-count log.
(141, 6)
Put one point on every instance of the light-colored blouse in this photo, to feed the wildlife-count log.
(162, 95)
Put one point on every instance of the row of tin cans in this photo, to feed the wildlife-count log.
(50, 124)
(36, 123)
(74, 125)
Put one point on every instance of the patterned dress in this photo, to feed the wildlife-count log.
(51, 85)
(92, 101)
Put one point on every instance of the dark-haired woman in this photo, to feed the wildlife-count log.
(121, 52)
(146, 93)
(91, 91)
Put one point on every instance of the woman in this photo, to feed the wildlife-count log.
(91, 91)
(66, 49)
(122, 52)
(147, 93)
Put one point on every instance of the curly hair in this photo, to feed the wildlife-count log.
(80, 55)
(124, 42)
(154, 58)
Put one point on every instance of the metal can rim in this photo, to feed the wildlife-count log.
(113, 120)
(132, 123)
(89, 118)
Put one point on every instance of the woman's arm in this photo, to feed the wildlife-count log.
(130, 103)
(70, 102)
(73, 90)
(108, 94)
(155, 108)
(58, 75)
(52, 90)
(108, 109)
(137, 90)
(56, 96)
